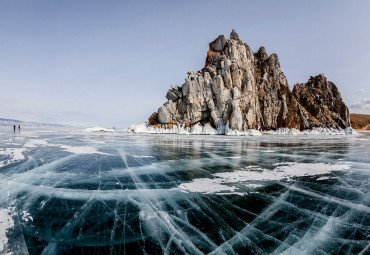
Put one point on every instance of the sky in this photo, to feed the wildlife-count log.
(110, 63)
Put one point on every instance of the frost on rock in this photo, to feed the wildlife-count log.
(144, 128)
(224, 129)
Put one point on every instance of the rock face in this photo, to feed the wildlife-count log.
(323, 101)
(248, 90)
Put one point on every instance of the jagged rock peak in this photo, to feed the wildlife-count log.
(234, 35)
(262, 54)
(247, 90)
(218, 44)
(322, 99)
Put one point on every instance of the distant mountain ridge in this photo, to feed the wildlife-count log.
(11, 122)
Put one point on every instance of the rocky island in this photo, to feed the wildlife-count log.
(242, 91)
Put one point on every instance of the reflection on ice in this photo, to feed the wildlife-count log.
(73, 192)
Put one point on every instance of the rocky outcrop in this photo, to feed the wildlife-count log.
(323, 101)
(247, 90)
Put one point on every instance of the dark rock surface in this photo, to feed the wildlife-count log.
(248, 90)
(323, 101)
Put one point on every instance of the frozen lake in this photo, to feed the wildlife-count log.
(65, 191)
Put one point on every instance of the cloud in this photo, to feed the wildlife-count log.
(361, 91)
(363, 105)
(366, 100)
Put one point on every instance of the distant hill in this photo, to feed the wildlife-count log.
(360, 121)
(11, 122)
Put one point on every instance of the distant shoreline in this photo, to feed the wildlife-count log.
(360, 122)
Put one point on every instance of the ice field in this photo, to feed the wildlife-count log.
(68, 191)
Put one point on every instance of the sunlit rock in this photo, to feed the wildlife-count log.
(249, 90)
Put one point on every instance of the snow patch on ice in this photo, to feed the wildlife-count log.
(13, 154)
(142, 156)
(206, 186)
(326, 178)
(98, 129)
(17, 154)
(33, 143)
(73, 149)
(79, 149)
(222, 182)
(26, 216)
(6, 223)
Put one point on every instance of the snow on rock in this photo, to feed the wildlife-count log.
(196, 129)
(330, 131)
(248, 132)
(283, 131)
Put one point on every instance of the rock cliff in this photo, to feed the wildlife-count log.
(247, 90)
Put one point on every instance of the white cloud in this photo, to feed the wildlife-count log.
(366, 100)
(361, 91)
(363, 105)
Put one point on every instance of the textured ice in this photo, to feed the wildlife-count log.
(72, 192)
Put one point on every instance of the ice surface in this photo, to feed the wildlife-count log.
(72, 192)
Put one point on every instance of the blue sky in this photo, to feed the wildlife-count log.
(110, 63)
